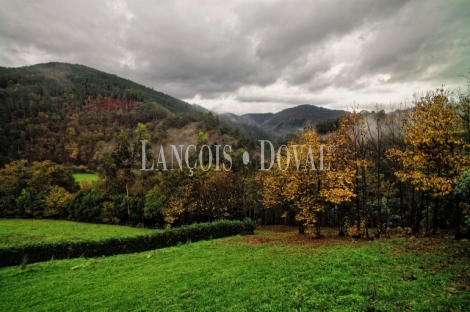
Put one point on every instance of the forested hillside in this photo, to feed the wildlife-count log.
(71, 113)
(289, 120)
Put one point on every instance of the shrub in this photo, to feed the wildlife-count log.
(112, 246)
(353, 230)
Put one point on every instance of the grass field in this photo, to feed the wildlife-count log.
(274, 270)
(16, 232)
(89, 177)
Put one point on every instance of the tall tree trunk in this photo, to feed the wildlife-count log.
(434, 218)
(458, 216)
(412, 212)
(127, 202)
(401, 204)
(420, 210)
(364, 201)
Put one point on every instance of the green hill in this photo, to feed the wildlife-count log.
(71, 113)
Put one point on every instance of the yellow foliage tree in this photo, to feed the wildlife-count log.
(178, 203)
(306, 179)
(271, 188)
(55, 201)
(353, 162)
(432, 160)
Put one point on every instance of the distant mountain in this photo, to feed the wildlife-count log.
(288, 120)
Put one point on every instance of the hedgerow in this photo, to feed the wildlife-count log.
(111, 246)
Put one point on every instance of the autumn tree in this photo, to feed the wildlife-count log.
(351, 143)
(219, 195)
(28, 187)
(433, 158)
(14, 177)
(180, 203)
(341, 183)
(305, 179)
(55, 202)
(47, 173)
(399, 195)
(270, 192)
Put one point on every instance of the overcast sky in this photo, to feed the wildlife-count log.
(251, 56)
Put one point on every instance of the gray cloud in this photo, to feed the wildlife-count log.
(246, 56)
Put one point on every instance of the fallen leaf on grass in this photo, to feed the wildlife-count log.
(77, 267)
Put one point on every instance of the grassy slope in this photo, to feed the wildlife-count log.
(79, 177)
(14, 232)
(271, 271)
(85, 178)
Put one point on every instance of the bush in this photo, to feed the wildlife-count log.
(86, 205)
(353, 230)
(112, 246)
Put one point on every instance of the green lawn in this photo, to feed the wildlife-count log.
(15, 232)
(270, 271)
(80, 177)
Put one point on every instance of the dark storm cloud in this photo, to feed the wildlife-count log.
(45, 31)
(295, 100)
(246, 56)
(425, 42)
(288, 32)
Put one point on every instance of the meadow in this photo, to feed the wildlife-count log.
(85, 177)
(17, 232)
(274, 270)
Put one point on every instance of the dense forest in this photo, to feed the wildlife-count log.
(408, 168)
(70, 114)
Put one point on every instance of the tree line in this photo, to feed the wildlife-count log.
(407, 168)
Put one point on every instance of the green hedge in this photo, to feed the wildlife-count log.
(112, 246)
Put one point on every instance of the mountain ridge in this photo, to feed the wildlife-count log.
(288, 120)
